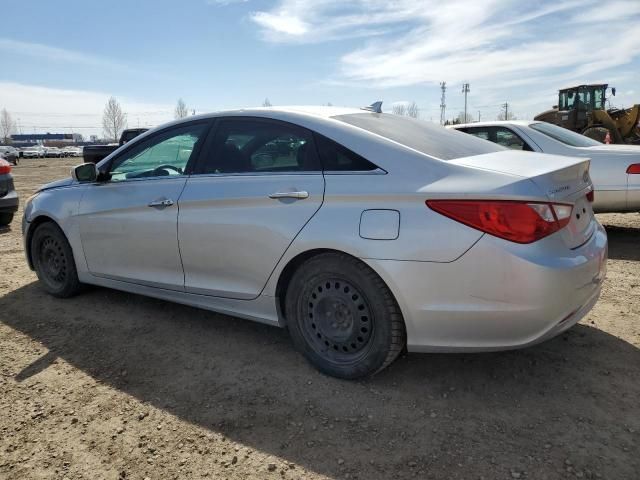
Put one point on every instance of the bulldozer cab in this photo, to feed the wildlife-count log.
(583, 97)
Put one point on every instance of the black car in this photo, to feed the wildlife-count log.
(10, 154)
(8, 195)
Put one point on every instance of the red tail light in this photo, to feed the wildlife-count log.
(634, 168)
(591, 196)
(5, 167)
(520, 222)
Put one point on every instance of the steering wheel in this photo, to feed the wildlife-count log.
(167, 167)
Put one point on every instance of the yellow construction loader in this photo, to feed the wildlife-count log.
(582, 109)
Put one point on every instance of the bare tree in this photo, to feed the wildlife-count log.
(462, 119)
(113, 120)
(412, 110)
(406, 109)
(181, 110)
(509, 116)
(399, 109)
(7, 125)
(266, 103)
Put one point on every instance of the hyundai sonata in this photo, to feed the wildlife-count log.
(361, 232)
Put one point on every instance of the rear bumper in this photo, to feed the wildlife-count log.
(9, 203)
(499, 295)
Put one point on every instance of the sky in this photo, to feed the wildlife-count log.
(61, 60)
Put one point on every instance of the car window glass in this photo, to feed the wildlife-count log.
(251, 146)
(482, 133)
(425, 137)
(337, 158)
(509, 139)
(163, 155)
(563, 135)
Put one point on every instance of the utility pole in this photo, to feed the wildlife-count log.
(465, 90)
(478, 115)
(505, 105)
(443, 104)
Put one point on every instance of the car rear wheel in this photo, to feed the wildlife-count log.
(343, 317)
(53, 261)
(6, 218)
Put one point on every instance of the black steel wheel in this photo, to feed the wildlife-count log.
(343, 317)
(53, 261)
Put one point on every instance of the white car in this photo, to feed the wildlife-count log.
(615, 169)
(360, 231)
(52, 152)
(33, 152)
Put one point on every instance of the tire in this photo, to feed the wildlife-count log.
(6, 218)
(342, 317)
(53, 261)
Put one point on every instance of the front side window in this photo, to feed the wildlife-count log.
(257, 146)
(163, 155)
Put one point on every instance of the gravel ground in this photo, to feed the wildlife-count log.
(117, 386)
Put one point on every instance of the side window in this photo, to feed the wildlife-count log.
(163, 155)
(255, 146)
(336, 158)
(482, 133)
(509, 139)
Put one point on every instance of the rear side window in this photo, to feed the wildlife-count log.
(258, 146)
(336, 158)
(425, 137)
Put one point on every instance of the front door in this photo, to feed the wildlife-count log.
(128, 224)
(258, 184)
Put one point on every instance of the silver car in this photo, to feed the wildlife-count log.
(615, 169)
(361, 232)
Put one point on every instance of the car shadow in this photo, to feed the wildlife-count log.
(5, 229)
(575, 396)
(624, 242)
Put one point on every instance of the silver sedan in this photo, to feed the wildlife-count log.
(359, 231)
(615, 169)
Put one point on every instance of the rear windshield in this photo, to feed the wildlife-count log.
(563, 135)
(425, 137)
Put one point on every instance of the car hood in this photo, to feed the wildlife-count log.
(65, 182)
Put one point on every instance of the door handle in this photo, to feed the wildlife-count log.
(299, 195)
(166, 202)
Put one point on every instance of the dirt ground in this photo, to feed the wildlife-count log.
(117, 386)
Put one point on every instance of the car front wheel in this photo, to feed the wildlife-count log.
(343, 317)
(53, 261)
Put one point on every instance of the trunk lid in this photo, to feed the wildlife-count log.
(561, 179)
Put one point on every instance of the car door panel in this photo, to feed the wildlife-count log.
(128, 222)
(126, 239)
(232, 233)
(257, 184)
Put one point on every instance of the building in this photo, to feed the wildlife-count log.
(40, 138)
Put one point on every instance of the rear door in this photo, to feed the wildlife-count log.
(256, 186)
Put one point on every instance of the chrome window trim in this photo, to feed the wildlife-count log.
(377, 171)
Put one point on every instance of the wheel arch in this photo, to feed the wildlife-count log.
(33, 225)
(295, 262)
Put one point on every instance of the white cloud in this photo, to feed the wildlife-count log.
(56, 54)
(38, 109)
(494, 44)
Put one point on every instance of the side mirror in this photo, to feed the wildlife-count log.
(613, 91)
(85, 173)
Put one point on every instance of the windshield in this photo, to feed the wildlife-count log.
(563, 135)
(425, 137)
